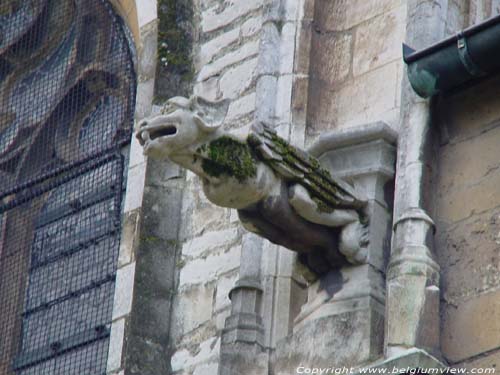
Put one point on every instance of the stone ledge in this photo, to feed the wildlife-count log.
(352, 136)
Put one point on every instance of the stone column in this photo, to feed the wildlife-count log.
(412, 312)
(342, 323)
(242, 349)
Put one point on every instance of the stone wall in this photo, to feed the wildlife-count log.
(355, 67)
(210, 238)
(467, 216)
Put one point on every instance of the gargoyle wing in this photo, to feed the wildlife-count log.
(296, 166)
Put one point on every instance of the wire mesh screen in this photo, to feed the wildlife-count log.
(67, 93)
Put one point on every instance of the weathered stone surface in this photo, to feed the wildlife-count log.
(246, 50)
(210, 242)
(194, 306)
(241, 107)
(203, 270)
(457, 16)
(129, 237)
(352, 342)
(122, 303)
(225, 13)
(475, 197)
(359, 101)
(238, 79)
(216, 45)
(470, 112)
(208, 89)
(287, 46)
(224, 286)
(206, 350)
(343, 14)
(469, 256)
(489, 361)
(303, 50)
(116, 345)
(378, 41)
(251, 26)
(472, 327)
(243, 358)
(469, 183)
(331, 56)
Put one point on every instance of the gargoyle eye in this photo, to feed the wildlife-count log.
(200, 114)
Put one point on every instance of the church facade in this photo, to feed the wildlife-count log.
(112, 262)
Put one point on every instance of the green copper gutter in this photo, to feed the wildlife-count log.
(452, 62)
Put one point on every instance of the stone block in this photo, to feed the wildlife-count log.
(359, 101)
(224, 286)
(251, 26)
(223, 15)
(147, 50)
(209, 268)
(210, 241)
(265, 99)
(144, 98)
(269, 53)
(284, 99)
(129, 237)
(241, 107)
(208, 89)
(287, 47)
(469, 257)
(303, 50)
(124, 290)
(470, 112)
(206, 350)
(331, 56)
(299, 102)
(340, 15)
(216, 45)
(466, 163)
(346, 339)
(207, 369)
(457, 204)
(238, 79)
(194, 307)
(378, 41)
(116, 346)
(247, 50)
(198, 214)
(472, 327)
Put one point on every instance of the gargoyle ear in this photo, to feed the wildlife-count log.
(211, 114)
(204, 126)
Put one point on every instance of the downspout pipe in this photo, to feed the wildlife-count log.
(412, 275)
(453, 62)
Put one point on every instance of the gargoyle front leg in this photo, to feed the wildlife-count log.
(353, 235)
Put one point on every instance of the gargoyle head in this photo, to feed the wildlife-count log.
(183, 124)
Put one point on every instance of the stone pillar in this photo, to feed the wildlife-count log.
(242, 349)
(342, 323)
(412, 312)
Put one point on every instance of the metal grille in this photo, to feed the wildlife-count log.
(67, 93)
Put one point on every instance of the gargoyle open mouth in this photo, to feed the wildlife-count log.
(163, 131)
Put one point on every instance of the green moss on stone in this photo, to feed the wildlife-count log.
(227, 156)
(323, 206)
(174, 40)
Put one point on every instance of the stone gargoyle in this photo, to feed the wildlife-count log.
(281, 193)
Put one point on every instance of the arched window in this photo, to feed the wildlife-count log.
(67, 94)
